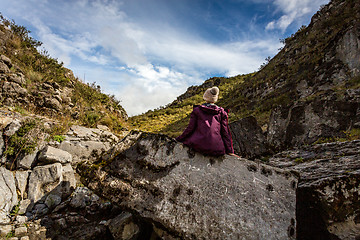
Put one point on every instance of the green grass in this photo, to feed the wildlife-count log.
(90, 105)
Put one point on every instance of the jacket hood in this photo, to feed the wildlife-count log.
(213, 109)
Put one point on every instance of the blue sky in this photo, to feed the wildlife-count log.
(147, 52)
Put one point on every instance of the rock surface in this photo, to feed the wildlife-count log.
(84, 143)
(8, 196)
(328, 196)
(306, 122)
(248, 139)
(53, 155)
(196, 197)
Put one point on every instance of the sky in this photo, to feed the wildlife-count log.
(148, 52)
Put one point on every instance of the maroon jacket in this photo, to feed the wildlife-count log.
(208, 131)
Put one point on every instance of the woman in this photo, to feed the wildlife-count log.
(208, 130)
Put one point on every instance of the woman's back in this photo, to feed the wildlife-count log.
(208, 131)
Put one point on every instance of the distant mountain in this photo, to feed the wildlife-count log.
(320, 61)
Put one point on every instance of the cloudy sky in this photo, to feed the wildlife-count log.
(147, 52)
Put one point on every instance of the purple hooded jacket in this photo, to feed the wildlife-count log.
(208, 131)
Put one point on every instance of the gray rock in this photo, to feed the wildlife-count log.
(24, 206)
(11, 128)
(91, 134)
(81, 197)
(44, 179)
(21, 179)
(4, 68)
(194, 196)
(248, 139)
(328, 190)
(53, 155)
(103, 127)
(14, 90)
(5, 229)
(85, 143)
(28, 161)
(82, 150)
(18, 78)
(52, 200)
(53, 104)
(40, 209)
(1, 144)
(21, 219)
(8, 197)
(348, 50)
(123, 227)
(6, 60)
(20, 231)
(61, 223)
(13, 238)
(68, 184)
(306, 122)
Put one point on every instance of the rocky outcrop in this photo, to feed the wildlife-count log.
(306, 122)
(191, 196)
(53, 155)
(248, 139)
(8, 196)
(328, 196)
(87, 143)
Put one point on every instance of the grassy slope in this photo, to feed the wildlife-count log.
(91, 106)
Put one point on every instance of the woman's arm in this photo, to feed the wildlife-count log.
(226, 134)
(190, 128)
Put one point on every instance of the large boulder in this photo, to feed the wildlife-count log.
(248, 139)
(328, 196)
(52, 179)
(192, 196)
(306, 122)
(8, 195)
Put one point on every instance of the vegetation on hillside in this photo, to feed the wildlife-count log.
(305, 57)
(173, 118)
(81, 103)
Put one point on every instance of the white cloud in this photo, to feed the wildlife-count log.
(293, 10)
(144, 65)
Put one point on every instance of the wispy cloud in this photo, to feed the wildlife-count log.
(293, 10)
(145, 64)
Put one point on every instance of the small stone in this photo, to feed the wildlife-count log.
(12, 128)
(81, 197)
(53, 155)
(24, 205)
(40, 209)
(27, 161)
(6, 60)
(21, 219)
(123, 227)
(21, 179)
(52, 200)
(4, 68)
(20, 231)
(5, 229)
(103, 127)
(61, 223)
(25, 238)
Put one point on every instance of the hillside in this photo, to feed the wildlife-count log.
(317, 62)
(34, 82)
(295, 124)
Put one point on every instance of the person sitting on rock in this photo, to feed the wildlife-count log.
(208, 130)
